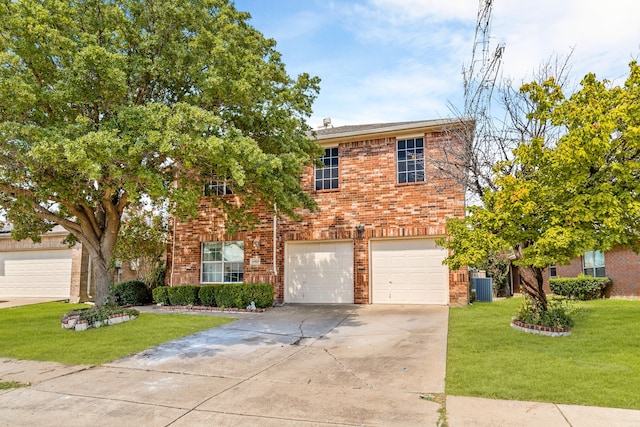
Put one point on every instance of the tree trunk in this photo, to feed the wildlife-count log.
(102, 280)
(531, 279)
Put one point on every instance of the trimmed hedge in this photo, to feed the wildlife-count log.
(131, 292)
(183, 295)
(236, 295)
(207, 295)
(581, 287)
(240, 295)
(161, 295)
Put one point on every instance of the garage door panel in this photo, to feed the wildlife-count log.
(319, 272)
(35, 274)
(408, 272)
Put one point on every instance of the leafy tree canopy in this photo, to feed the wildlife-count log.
(104, 103)
(554, 201)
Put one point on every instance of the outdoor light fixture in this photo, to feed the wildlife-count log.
(256, 243)
(360, 230)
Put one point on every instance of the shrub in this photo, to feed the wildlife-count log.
(183, 295)
(131, 292)
(260, 293)
(581, 287)
(100, 314)
(161, 295)
(207, 295)
(557, 315)
(242, 294)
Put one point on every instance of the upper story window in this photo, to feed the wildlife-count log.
(410, 160)
(222, 262)
(326, 178)
(593, 264)
(217, 187)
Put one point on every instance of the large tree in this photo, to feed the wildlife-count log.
(553, 201)
(110, 103)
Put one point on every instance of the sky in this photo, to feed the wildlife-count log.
(402, 60)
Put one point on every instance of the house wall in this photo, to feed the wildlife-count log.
(368, 195)
(622, 266)
(55, 241)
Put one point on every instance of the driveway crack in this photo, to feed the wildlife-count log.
(348, 370)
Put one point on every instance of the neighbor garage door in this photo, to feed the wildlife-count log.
(35, 274)
(319, 272)
(408, 271)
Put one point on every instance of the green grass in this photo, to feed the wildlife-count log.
(597, 365)
(34, 333)
(6, 385)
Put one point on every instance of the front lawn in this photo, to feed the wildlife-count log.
(597, 365)
(34, 332)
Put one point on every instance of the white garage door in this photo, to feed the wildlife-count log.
(319, 272)
(44, 274)
(408, 272)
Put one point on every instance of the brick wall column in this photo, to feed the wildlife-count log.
(360, 270)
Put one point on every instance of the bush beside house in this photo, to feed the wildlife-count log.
(238, 295)
(581, 287)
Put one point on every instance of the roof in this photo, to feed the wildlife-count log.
(350, 131)
(57, 229)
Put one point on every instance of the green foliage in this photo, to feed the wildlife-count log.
(131, 292)
(497, 267)
(582, 287)
(241, 295)
(33, 333)
(236, 295)
(142, 240)
(161, 295)
(488, 358)
(207, 295)
(558, 198)
(7, 385)
(100, 314)
(557, 315)
(183, 295)
(108, 105)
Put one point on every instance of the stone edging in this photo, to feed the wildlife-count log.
(206, 308)
(77, 324)
(540, 330)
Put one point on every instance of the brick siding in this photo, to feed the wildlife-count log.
(368, 195)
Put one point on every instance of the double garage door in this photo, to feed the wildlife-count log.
(45, 274)
(407, 271)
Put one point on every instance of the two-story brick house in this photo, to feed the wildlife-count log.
(382, 205)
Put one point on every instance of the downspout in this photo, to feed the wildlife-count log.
(275, 233)
(173, 250)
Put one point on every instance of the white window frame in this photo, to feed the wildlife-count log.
(216, 266)
(328, 176)
(410, 164)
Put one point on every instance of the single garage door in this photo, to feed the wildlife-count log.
(408, 271)
(45, 274)
(319, 272)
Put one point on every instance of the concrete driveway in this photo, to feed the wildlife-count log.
(301, 365)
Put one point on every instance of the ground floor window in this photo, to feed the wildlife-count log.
(223, 262)
(593, 264)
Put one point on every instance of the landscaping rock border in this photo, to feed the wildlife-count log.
(540, 330)
(75, 323)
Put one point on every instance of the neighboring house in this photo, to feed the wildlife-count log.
(382, 205)
(49, 269)
(620, 265)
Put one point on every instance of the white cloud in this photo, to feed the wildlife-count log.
(605, 35)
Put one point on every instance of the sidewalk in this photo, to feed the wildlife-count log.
(477, 412)
(461, 411)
